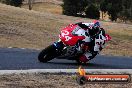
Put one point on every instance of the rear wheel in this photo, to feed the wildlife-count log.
(47, 54)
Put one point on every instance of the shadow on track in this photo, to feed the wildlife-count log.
(85, 66)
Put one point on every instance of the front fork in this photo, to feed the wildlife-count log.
(58, 45)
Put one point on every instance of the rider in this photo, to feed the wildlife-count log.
(97, 37)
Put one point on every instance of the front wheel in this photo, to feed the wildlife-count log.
(47, 54)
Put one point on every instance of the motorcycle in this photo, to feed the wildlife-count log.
(68, 45)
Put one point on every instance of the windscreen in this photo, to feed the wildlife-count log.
(78, 31)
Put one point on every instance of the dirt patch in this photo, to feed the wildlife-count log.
(42, 80)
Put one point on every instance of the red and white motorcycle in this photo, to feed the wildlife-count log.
(67, 46)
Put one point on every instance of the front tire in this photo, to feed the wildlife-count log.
(47, 54)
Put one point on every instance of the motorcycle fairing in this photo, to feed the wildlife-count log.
(71, 34)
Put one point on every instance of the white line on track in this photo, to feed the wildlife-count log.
(100, 71)
(23, 48)
(10, 47)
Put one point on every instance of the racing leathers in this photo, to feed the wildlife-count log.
(96, 43)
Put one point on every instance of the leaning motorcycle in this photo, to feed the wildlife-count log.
(68, 45)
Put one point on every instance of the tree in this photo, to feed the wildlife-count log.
(126, 13)
(74, 7)
(92, 12)
(5, 1)
(30, 4)
(121, 9)
(103, 7)
(114, 8)
(16, 3)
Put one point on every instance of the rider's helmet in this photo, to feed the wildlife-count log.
(96, 27)
(96, 24)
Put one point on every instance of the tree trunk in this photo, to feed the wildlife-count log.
(30, 4)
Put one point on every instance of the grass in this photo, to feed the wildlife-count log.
(34, 29)
(121, 34)
(120, 43)
(46, 7)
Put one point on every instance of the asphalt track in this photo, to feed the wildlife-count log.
(22, 59)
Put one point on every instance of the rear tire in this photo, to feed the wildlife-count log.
(47, 54)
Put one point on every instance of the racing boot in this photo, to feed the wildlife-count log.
(86, 57)
(83, 59)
